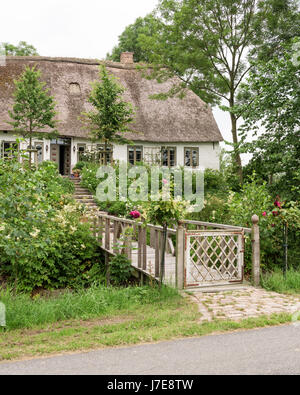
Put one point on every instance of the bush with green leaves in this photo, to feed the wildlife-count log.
(255, 198)
(42, 241)
(88, 176)
(120, 269)
(215, 210)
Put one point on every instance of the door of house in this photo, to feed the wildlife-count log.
(54, 153)
(60, 152)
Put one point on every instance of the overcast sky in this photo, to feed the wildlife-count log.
(76, 28)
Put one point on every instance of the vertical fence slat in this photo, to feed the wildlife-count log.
(129, 244)
(255, 251)
(139, 247)
(107, 234)
(101, 230)
(115, 237)
(180, 256)
(144, 248)
(157, 252)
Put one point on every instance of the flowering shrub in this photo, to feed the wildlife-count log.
(88, 177)
(164, 209)
(254, 198)
(135, 214)
(42, 242)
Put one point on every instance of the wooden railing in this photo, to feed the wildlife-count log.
(135, 240)
(142, 243)
(209, 225)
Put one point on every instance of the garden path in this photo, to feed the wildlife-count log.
(243, 303)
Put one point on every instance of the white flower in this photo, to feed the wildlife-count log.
(35, 233)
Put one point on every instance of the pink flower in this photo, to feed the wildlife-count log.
(135, 214)
(275, 213)
(264, 213)
(165, 181)
(277, 202)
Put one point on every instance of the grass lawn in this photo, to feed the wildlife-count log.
(101, 317)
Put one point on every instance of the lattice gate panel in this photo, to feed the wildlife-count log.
(214, 257)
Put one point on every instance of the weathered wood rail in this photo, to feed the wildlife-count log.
(142, 244)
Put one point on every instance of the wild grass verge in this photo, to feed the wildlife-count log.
(101, 317)
(278, 282)
(24, 312)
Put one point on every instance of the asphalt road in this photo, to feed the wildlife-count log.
(267, 351)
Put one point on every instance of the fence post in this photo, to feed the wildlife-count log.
(180, 256)
(255, 251)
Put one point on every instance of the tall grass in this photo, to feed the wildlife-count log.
(278, 282)
(24, 312)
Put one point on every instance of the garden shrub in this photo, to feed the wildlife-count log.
(215, 183)
(88, 176)
(215, 210)
(42, 241)
(226, 202)
(120, 269)
(255, 198)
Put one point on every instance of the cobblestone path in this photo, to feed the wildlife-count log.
(240, 304)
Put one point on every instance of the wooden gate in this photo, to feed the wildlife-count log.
(214, 257)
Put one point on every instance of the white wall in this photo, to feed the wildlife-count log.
(25, 142)
(208, 152)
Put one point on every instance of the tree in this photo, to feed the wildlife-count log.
(22, 49)
(277, 23)
(273, 116)
(34, 108)
(112, 115)
(129, 40)
(206, 45)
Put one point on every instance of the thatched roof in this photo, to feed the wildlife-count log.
(172, 120)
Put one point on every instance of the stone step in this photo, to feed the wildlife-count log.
(221, 288)
(83, 196)
(79, 194)
(83, 193)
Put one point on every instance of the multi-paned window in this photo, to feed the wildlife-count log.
(9, 149)
(135, 154)
(101, 153)
(81, 148)
(168, 156)
(191, 156)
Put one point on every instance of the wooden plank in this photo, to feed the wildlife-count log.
(107, 234)
(115, 237)
(220, 226)
(144, 235)
(140, 236)
(157, 253)
(100, 230)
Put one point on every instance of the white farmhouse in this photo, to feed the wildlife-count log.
(172, 132)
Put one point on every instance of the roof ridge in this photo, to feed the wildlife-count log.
(90, 62)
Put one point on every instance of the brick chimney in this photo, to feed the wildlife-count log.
(126, 57)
